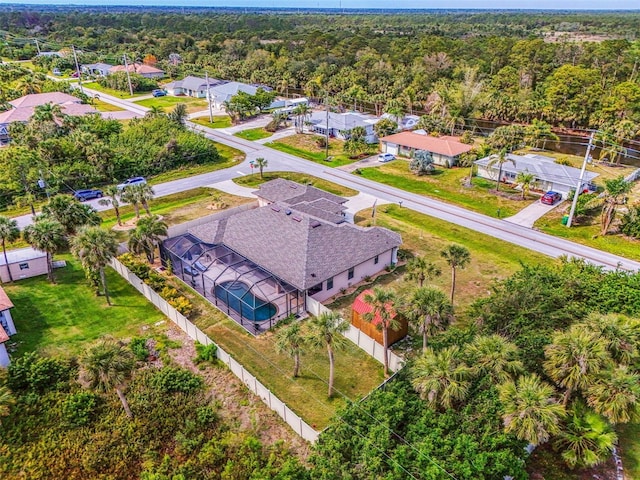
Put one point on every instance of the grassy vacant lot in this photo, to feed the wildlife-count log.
(356, 372)
(587, 232)
(60, 318)
(168, 103)
(448, 184)
(254, 180)
(219, 121)
(253, 134)
(112, 92)
(304, 146)
(104, 106)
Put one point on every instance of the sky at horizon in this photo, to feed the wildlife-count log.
(347, 4)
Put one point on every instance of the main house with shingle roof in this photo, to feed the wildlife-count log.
(7, 328)
(341, 124)
(445, 150)
(278, 254)
(192, 86)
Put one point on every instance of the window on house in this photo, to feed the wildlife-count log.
(350, 273)
(330, 283)
(376, 259)
(315, 289)
(24, 266)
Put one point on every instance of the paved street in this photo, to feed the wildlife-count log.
(278, 161)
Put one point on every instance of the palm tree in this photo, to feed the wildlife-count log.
(456, 256)
(326, 330)
(154, 111)
(146, 236)
(575, 358)
(6, 400)
(143, 193)
(47, 235)
(620, 334)
(9, 232)
(539, 130)
(107, 365)
(382, 303)
(289, 340)
(70, 213)
(113, 193)
(418, 268)
(500, 159)
(529, 409)
(179, 114)
(261, 163)
(95, 247)
(495, 356)
(441, 378)
(615, 191)
(526, 180)
(301, 112)
(429, 311)
(587, 438)
(129, 195)
(616, 395)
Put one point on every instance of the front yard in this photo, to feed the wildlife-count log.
(305, 146)
(168, 103)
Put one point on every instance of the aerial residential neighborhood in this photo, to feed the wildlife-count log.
(319, 243)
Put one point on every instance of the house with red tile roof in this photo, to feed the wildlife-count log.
(445, 150)
(358, 311)
(7, 328)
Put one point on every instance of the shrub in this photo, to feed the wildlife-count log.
(39, 374)
(182, 305)
(176, 380)
(138, 346)
(156, 281)
(630, 224)
(78, 408)
(321, 142)
(206, 353)
(137, 266)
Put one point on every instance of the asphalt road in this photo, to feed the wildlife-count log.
(278, 161)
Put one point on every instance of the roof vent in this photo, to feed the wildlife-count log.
(297, 219)
(287, 211)
(293, 185)
(315, 224)
(275, 208)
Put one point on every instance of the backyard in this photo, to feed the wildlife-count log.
(305, 146)
(168, 103)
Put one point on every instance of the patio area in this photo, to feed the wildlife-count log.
(244, 291)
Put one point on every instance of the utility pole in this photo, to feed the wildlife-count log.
(37, 45)
(206, 77)
(75, 57)
(587, 155)
(326, 146)
(43, 184)
(126, 69)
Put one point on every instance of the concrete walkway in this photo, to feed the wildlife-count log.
(360, 202)
(229, 186)
(528, 215)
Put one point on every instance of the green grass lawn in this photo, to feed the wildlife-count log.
(253, 134)
(356, 372)
(219, 121)
(304, 146)
(630, 449)
(168, 103)
(60, 318)
(112, 92)
(587, 232)
(254, 180)
(104, 106)
(448, 185)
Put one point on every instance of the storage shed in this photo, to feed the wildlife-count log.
(22, 263)
(360, 308)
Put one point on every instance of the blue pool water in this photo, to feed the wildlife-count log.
(253, 308)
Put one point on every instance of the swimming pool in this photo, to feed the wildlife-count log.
(237, 295)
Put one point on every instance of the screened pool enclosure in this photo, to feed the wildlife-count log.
(246, 292)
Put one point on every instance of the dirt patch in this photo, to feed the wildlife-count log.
(239, 406)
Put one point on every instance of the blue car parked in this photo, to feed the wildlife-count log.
(83, 195)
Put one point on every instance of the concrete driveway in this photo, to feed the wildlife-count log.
(528, 215)
(360, 202)
(364, 163)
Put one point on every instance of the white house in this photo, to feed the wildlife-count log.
(191, 86)
(549, 175)
(225, 91)
(445, 150)
(22, 263)
(341, 124)
(7, 328)
(97, 69)
(288, 105)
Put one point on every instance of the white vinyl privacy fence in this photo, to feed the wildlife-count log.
(361, 339)
(274, 403)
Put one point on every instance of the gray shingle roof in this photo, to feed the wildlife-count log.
(194, 83)
(281, 190)
(296, 247)
(342, 121)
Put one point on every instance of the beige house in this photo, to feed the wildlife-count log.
(7, 328)
(22, 263)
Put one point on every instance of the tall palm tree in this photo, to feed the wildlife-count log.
(129, 195)
(537, 131)
(70, 213)
(441, 378)
(114, 200)
(9, 232)
(289, 340)
(495, 356)
(106, 366)
(47, 235)
(6, 400)
(621, 335)
(587, 438)
(326, 330)
(429, 311)
(457, 256)
(383, 312)
(95, 247)
(261, 163)
(301, 113)
(574, 359)
(500, 159)
(615, 191)
(147, 235)
(529, 409)
(179, 114)
(616, 395)
(418, 268)
(525, 180)
(143, 193)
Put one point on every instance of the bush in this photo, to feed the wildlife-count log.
(182, 305)
(156, 281)
(39, 374)
(138, 346)
(78, 408)
(206, 353)
(630, 224)
(321, 142)
(138, 267)
(176, 380)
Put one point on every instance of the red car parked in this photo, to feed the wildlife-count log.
(551, 198)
